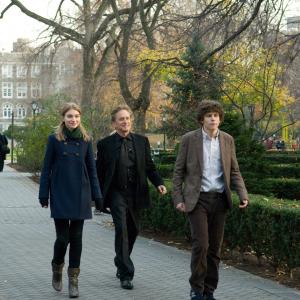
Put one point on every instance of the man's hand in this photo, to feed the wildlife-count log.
(244, 204)
(181, 206)
(162, 189)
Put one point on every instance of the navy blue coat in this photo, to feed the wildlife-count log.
(69, 175)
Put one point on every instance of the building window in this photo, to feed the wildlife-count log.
(36, 90)
(7, 110)
(35, 71)
(21, 71)
(21, 90)
(7, 88)
(21, 112)
(62, 69)
(7, 71)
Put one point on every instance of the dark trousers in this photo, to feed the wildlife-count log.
(1, 163)
(207, 222)
(126, 230)
(68, 232)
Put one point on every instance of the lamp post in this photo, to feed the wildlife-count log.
(12, 137)
(34, 107)
(164, 131)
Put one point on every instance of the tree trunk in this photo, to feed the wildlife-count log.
(139, 120)
(88, 79)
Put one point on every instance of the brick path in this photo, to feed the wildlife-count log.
(26, 239)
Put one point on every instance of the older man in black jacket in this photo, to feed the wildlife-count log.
(123, 165)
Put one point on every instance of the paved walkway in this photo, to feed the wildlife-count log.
(26, 241)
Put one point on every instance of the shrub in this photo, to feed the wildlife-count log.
(269, 227)
(165, 170)
(282, 158)
(278, 187)
(32, 139)
(284, 170)
(162, 216)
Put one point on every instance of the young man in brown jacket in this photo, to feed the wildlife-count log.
(205, 169)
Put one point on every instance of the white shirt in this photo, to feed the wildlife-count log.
(212, 177)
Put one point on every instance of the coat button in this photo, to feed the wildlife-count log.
(77, 144)
(65, 143)
(77, 154)
(64, 153)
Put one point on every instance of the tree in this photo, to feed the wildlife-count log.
(137, 96)
(193, 83)
(99, 25)
(93, 27)
(167, 27)
(253, 86)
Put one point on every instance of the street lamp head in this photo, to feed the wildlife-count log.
(34, 105)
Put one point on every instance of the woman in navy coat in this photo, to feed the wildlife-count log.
(69, 177)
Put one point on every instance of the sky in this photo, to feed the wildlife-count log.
(16, 25)
(293, 8)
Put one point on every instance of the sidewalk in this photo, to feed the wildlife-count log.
(27, 236)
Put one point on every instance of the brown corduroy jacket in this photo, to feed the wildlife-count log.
(189, 169)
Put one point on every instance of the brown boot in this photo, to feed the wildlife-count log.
(73, 282)
(57, 276)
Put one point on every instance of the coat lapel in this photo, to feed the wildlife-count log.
(137, 146)
(114, 153)
(198, 140)
(222, 150)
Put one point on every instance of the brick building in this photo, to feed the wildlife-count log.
(25, 78)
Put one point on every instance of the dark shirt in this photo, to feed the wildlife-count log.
(130, 162)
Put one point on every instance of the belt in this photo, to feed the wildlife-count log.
(211, 193)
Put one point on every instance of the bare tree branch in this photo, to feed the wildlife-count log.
(5, 10)
(237, 33)
(66, 32)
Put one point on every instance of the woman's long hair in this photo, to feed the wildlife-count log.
(59, 130)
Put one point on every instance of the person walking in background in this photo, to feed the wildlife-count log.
(123, 165)
(69, 175)
(4, 149)
(205, 168)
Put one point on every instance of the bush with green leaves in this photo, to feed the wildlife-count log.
(279, 158)
(249, 151)
(269, 226)
(286, 188)
(32, 138)
(165, 170)
(283, 170)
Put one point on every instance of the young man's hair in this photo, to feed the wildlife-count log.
(119, 108)
(209, 106)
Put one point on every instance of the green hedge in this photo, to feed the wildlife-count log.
(284, 170)
(165, 170)
(270, 227)
(167, 158)
(282, 158)
(162, 216)
(285, 188)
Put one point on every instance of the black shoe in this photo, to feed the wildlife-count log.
(126, 284)
(209, 296)
(118, 275)
(196, 295)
